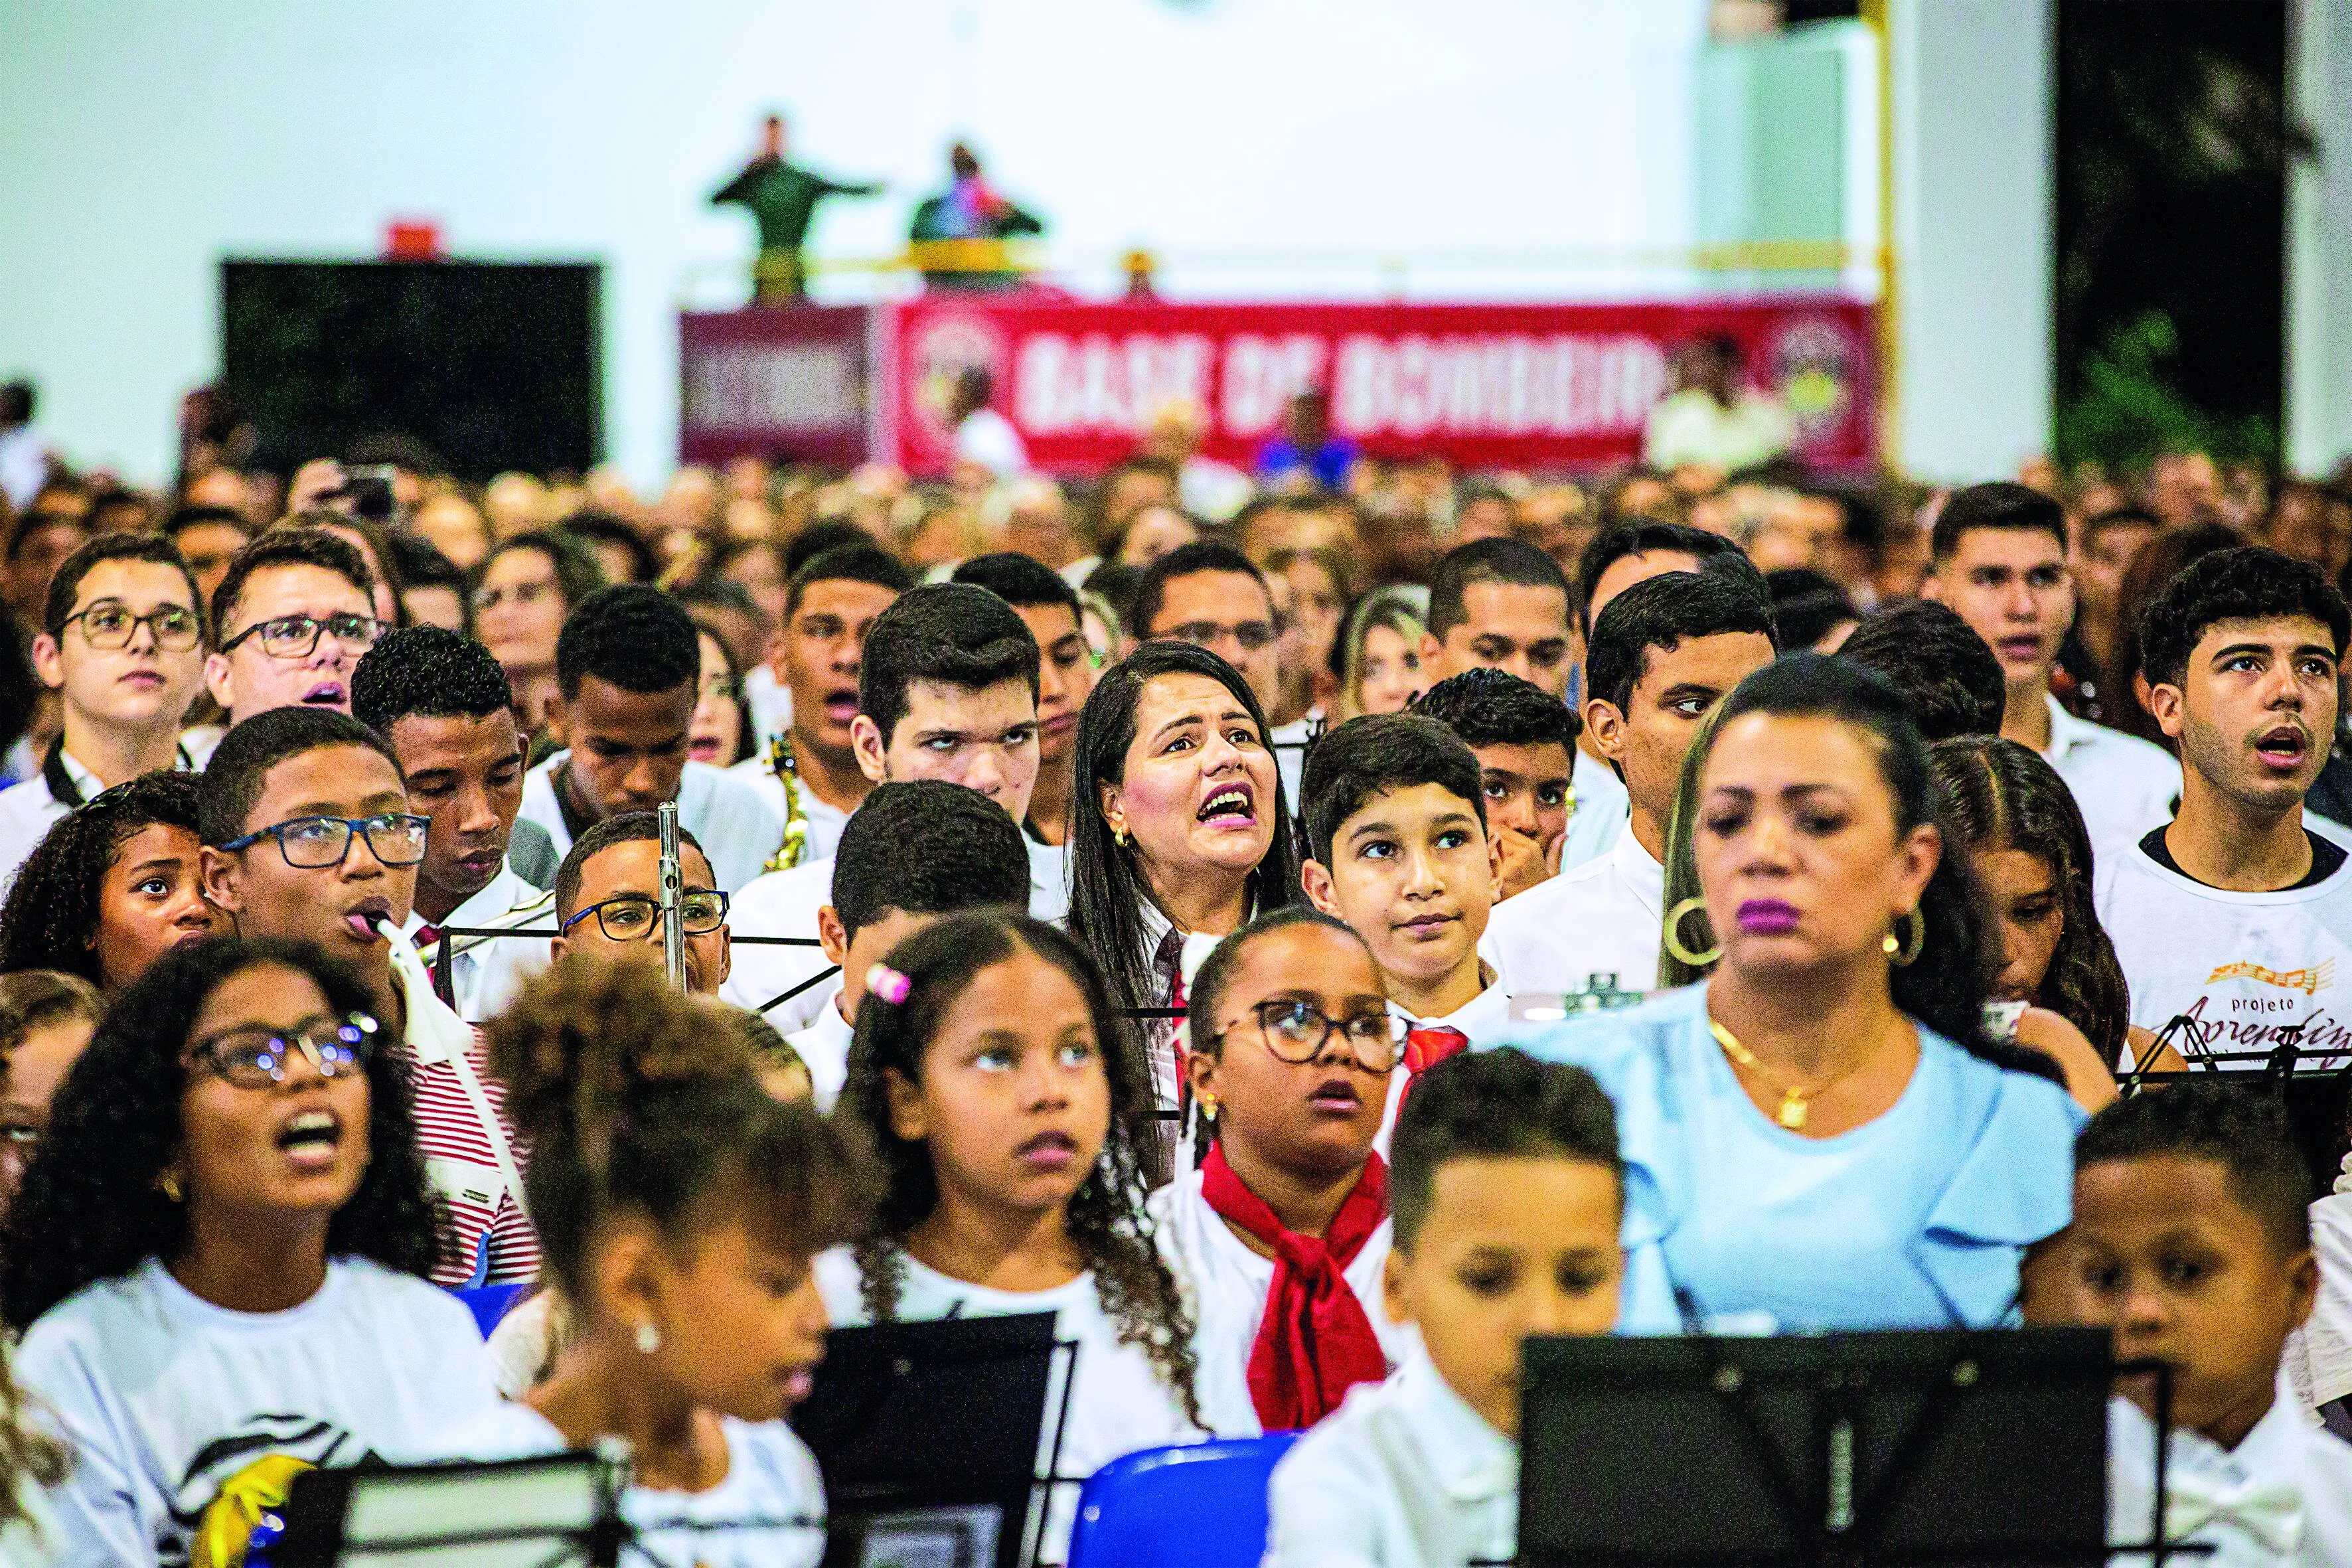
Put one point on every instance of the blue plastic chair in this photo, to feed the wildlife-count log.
(488, 1303)
(1201, 1505)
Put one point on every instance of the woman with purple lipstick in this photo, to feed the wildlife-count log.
(1819, 1136)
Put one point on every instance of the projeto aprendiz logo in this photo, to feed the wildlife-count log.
(2310, 980)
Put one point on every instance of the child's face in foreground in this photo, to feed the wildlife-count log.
(1414, 874)
(2164, 1254)
(1509, 1247)
(745, 1324)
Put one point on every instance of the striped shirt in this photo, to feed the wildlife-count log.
(496, 1243)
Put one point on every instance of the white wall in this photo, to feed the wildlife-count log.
(1975, 134)
(2319, 243)
(142, 140)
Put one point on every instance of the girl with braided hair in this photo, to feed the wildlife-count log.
(112, 887)
(1012, 1133)
(679, 1205)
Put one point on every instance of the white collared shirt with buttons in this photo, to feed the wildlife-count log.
(485, 972)
(2122, 784)
(1602, 917)
(28, 810)
(1403, 1475)
(2282, 1497)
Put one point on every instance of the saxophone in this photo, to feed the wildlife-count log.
(787, 771)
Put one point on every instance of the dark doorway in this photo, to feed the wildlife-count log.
(2173, 144)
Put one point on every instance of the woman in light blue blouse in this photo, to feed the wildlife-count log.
(1821, 1136)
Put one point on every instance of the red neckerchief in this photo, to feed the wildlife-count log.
(1315, 1341)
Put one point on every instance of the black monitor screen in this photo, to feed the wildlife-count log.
(494, 365)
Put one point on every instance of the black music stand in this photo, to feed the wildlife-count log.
(1942, 1447)
(928, 1434)
(507, 1514)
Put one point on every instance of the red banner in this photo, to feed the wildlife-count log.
(792, 384)
(1487, 386)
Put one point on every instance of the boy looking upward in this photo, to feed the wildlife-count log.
(2191, 1244)
(1664, 653)
(1506, 1192)
(1998, 557)
(1401, 853)
(2233, 921)
(294, 614)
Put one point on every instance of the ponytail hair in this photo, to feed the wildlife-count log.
(908, 999)
(638, 1101)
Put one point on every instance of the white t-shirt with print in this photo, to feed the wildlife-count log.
(1118, 1403)
(165, 1398)
(2235, 969)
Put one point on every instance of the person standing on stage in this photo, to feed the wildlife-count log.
(970, 209)
(781, 197)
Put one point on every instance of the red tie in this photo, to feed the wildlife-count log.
(1315, 1341)
(1424, 1048)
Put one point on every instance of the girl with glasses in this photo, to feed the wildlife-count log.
(1013, 1146)
(1280, 1236)
(217, 1258)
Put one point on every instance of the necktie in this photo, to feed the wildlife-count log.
(1315, 1341)
(1424, 1048)
(2270, 1512)
(427, 939)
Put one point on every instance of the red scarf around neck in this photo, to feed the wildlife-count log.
(1315, 1341)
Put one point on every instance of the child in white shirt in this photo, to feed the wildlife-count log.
(1396, 818)
(987, 1071)
(1509, 1194)
(680, 1208)
(1280, 1236)
(2192, 1244)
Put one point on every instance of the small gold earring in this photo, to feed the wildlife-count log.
(1119, 836)
(1208, 1106)
(648, 1337)
(169, 1186)
(1906, 949)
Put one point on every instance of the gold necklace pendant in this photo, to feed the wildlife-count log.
(1794, 1110)
(1794, 1106)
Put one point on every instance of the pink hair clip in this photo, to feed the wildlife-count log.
(888, 985)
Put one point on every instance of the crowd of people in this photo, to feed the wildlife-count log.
(1309, 949)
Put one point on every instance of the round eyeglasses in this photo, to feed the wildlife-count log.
(109, 625)
(633, 917)
(254, 1056)
(1295, 1032)
(315, 843)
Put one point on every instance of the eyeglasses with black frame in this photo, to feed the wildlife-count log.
(296, 636)
(256, 1055)
(633, 917)
(316, 843)
(1249, 635)
(109, 625)
(1295, 1031)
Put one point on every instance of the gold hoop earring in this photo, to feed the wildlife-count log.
(1905, 950)
(1119, 836)
(1670, 936)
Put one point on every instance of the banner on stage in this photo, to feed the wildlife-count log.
(1519, 385)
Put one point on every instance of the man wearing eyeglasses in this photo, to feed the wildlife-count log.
(122, 644)
(291, 620)
(608, 898)
(1212, 597)
(308, 836)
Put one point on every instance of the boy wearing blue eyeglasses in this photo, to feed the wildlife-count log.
(307, 835)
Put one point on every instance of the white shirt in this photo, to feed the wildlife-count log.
(771, 1475)
(2283, 1496)
(823, 1048)
(1403, 1475)
(823, 821)
(729, 816)
(785, 903)
(1486, 1018)
(987, 437)
(1691, 427)
(2235, 968)
(23, 466)
(2318, 1357)
(1289, 744)
(28, 810)
(166, 1398)
(1226, 1284)
(485, 972)
(1117, 1403)
(2122, 784)
(1602, 809)
(1600, 917)
(771, 701)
